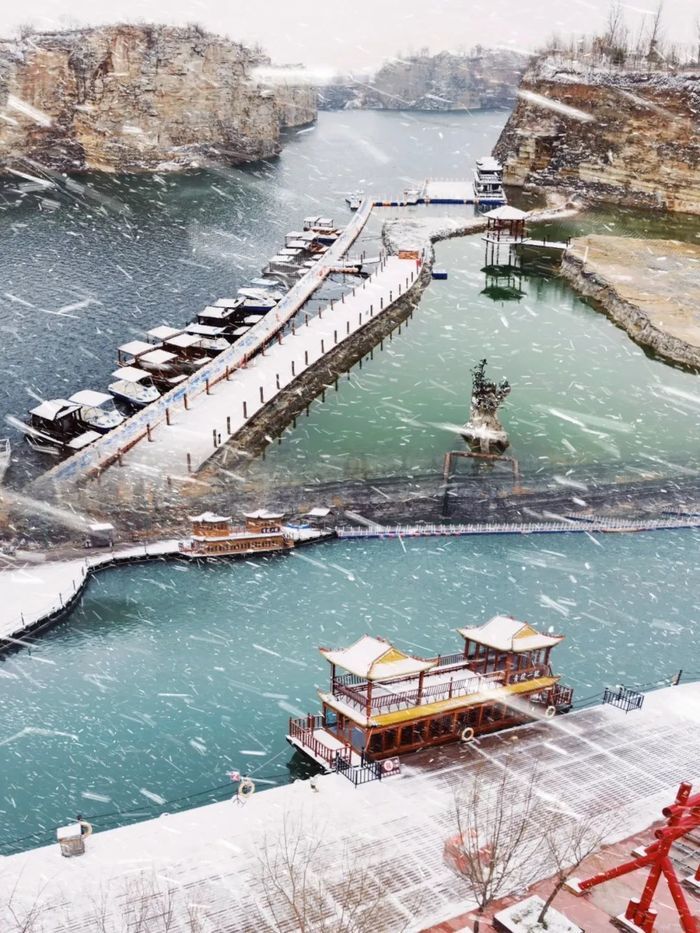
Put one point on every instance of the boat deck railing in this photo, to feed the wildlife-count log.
(445, 689)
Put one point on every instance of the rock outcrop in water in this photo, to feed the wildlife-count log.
(479, 80)
(609, 135)
(130, 98)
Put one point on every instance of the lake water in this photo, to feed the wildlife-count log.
(96, 261)
(168, 675)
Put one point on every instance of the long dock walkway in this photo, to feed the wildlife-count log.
(568, 526)
(229, 865)
(181, 445)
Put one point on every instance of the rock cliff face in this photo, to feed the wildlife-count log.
(480, 80)
(627, 137)
(139, 98)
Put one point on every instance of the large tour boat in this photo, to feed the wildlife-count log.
(488, 181)
(387, 702)
(55, 428)
(216, 536)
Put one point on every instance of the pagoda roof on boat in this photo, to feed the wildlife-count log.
(263, 513)
(90, 398)
(131, 374)
(210, 517)
(507, 212)
(164, 332)
(54, 408)
(504, 633)
(376, 659)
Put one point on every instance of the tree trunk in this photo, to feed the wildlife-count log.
(548, 903)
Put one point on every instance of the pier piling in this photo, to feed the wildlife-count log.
(245, 410)
(214, 436)
(148, 431)
(228, 424)
(167, 416)
(189, 462)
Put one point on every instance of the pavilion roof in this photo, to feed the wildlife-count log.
(376, 659)
(263, 513)
(507, 212)
(210, 517)
(504, 633)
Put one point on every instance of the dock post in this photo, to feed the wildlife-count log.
(167, 416)
(371, 310)
(189, 463)
(294, 331)
(307, 319)
(245, 410)
(323, 347)
(148, 431)
(228, 424)
(214, 435)
(277, 379)
(186, 401)
(677, 678)
(293, 373)
(381, 303)
(391, 295)
(359, 319)
(348, 326)
(119, 458)
(279, 336)
(206, 386)
(335, 336)
(228, 373)
(306, 357)
(262, 397)
(336, 384)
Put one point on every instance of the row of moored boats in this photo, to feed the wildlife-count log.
(168, 355)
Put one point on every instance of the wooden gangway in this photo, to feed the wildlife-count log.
(566, 526)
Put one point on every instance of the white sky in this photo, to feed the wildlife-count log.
(344, 34)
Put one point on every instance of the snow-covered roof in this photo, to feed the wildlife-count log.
(489, 164)
(90, 398)
(205, 330)
(504, 633)
(226, 303)
(376, 659)
(218, 313)
(507, 212)
(135, 347)
(263, 513)
(210, 517)
(89, 437)
(164, 331)
(54, 408)
(157, 357)
(319, 512)
(183, 340)
(131, 374)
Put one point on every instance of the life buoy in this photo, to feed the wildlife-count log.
(550, 712)
(388, 766)
(466, 735)
(85, 828)
(246, 789)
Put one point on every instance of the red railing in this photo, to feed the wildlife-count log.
(303, 731)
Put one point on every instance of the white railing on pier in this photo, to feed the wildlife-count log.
(597, 524)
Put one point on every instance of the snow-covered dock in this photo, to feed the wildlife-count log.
(192, 435)
(226, 864)
(448, 191)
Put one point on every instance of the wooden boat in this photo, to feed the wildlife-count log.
(5, 456)
(134, 386)
(55, 428)
(97, 411)
(388, 702)
(215, 535)
(212, 340)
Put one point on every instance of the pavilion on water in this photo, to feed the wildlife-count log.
(215, 535)
(505, 228)
(387, 702)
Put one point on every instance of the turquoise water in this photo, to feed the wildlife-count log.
(584, 396)
(168, 675)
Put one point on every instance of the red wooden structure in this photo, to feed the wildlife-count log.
(682, 817)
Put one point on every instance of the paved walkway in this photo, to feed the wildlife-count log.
(36, 592)
(210, 862)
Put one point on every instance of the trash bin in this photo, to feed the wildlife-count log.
(70, 839)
